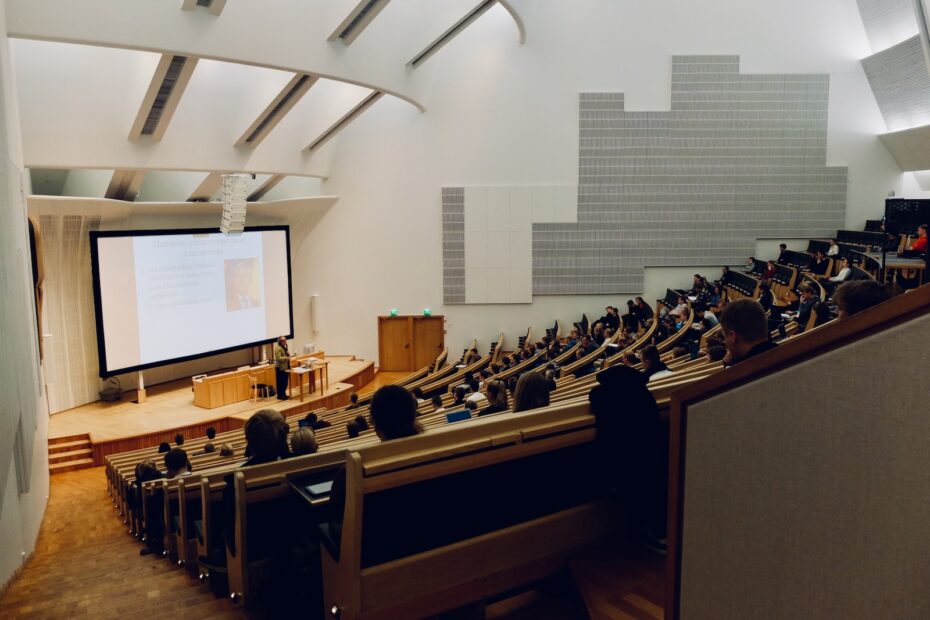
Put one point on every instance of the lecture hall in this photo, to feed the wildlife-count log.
(464, 309)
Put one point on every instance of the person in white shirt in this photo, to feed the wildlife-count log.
(681, 310)
(844, 273)
(834, 248)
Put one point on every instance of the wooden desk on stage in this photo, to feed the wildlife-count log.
(233, 386)
(297, 374)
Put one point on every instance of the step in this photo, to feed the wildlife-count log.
(54, 448)
(68, 438)
(58, 468)
(60, 457)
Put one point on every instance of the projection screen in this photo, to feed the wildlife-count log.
(164, 296)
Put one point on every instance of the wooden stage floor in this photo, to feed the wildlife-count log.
(171, 405)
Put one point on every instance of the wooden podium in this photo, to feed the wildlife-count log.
(233, 387)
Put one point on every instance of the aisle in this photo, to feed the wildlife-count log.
(87, 566)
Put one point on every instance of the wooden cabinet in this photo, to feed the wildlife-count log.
(407, 343)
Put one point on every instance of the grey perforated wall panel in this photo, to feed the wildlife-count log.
(453, 245)
(738, 157)
(887, 22)
(900, 81)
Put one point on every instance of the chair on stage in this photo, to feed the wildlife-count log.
(253, 387)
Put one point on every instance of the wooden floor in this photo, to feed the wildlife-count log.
(171, 405)
(87, 566)
(382, 378)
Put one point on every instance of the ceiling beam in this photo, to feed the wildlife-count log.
(356, 21)
(451, 33)
(265, 187)
(162, 97)
(125, 184)
(341, 124)
(214, 7)
(292, 92)
(207, 188)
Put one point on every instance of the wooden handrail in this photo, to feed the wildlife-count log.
(830, 337)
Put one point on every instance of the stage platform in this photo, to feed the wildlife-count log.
(169, 408)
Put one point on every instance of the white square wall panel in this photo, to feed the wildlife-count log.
(498, 286)
(476, 286)
(521, 208)
(543, 204)
(498, 213)
(476, 208)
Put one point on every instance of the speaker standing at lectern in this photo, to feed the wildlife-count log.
(282, 363)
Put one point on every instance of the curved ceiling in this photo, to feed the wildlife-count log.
(171, 85)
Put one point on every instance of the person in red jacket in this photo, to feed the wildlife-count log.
(920, 244)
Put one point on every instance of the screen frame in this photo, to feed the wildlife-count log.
(95, 235)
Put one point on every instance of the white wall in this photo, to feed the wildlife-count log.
(20, 375)
(504, 114)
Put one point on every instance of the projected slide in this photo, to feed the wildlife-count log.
(165, 296)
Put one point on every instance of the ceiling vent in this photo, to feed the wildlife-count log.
(171, 77)
(339, 125)
(451, 33)
(353, 25)
(214, 7)
(281, 105)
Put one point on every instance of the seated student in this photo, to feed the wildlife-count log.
(855, 296)
(834, 249)
(476, 397)
(394, 414)
(418, 394)
(179, 439)
(208, 448)
(770, 270)
(303, 441)
(437, 404)
(532, 392)
(630, 359)
(704, 319)
(782, 254)
(724, 276)
(471, 405)
(471, 357)
(164, 447)
(226, 450)
(362, 423)
(920, 243)
(750, 264)
(845, 271)
(266, 437)
(632, 319)
(715, 353)
(314, 422)
(626, 339)
(697, 285)
(633, 450)
(573, 337)
(211, 433)
(154, 526)
(645, 311)
(176, 463)
(681, 310)
(497, 399)
(353, 401)
(598, 335)
(458, 395)
(819, 265)
(808, 300)
(352, 429)
(653, 366)
(745, 331)
(586, 348)
(611, 318)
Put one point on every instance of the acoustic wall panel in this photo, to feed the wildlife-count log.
(888, 22)
(453, 245)
(900, 81)
(738, 157)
